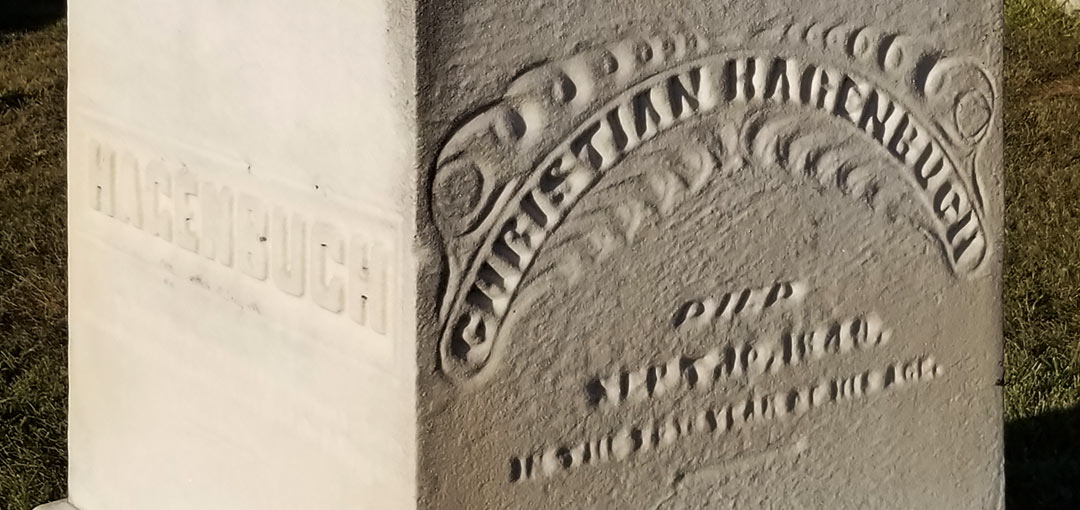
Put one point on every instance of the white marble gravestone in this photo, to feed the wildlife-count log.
(535, 254)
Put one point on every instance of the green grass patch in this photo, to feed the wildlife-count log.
(1042, 262)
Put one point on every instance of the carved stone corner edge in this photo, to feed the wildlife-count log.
(57, 505)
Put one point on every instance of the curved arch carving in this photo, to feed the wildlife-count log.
(508, 177)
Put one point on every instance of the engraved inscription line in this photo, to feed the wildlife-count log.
(747, 302)
(301, 256)
(738, 360)
(543, 200)
(752, 411)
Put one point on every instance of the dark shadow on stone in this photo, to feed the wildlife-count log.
(1042, 461)
(25, 15)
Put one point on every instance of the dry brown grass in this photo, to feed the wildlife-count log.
(33, 307)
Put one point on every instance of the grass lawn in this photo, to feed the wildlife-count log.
(1042, 278)
(33, 249)
(1042, 272)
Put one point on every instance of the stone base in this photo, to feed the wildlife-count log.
(57, 505)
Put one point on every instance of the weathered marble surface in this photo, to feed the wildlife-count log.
(240, 212)
(707, 256)
(535, 254)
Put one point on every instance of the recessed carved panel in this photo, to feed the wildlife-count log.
(678, 267)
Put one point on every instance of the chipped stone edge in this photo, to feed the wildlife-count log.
(57, 505)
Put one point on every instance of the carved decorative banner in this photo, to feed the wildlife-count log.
(508, 177)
